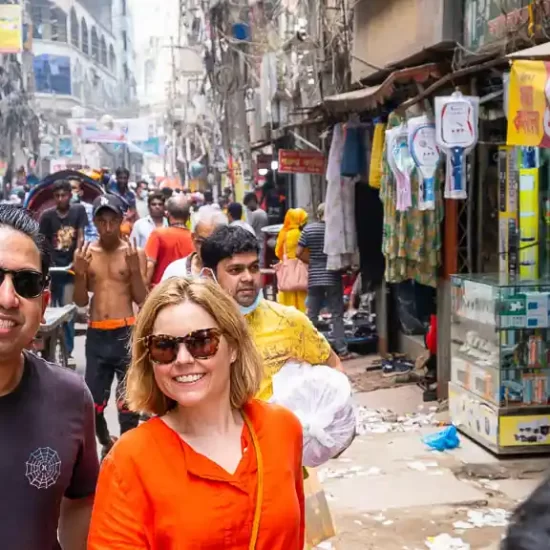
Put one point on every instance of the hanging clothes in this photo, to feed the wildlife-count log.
(375, 166)
(340, 231)
(353, 157)
(411, 239)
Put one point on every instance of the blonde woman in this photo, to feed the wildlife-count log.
(216, 468)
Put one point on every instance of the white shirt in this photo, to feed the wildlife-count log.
(244, 225)
(142, 229)
(178, 269)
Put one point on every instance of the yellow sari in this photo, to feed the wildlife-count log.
(287, 243)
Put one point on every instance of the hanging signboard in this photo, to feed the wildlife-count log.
(456, 123)
(487, 21)
(11, 28)
(528, 110)
(301, 162)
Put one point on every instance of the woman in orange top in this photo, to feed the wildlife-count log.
(215, 469)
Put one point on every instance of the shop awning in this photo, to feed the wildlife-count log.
(369, 97)
(536, 52)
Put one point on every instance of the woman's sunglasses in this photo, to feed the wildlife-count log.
(26, 282)
(201, 344)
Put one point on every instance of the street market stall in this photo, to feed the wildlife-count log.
(499, 394)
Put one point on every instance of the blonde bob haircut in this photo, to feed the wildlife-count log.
(142, 391)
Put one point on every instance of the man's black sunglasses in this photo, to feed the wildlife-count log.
(26, 282)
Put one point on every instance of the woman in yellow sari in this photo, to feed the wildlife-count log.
(287, 243)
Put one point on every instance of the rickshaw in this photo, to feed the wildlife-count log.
(50, 340)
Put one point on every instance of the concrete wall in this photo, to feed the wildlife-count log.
(389, 31)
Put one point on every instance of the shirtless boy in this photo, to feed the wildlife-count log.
(114, 271)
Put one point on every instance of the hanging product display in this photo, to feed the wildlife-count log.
(425, 154)
(401, 164)
(411, 240)
(456, 134)
(529, 207)
(508, 214)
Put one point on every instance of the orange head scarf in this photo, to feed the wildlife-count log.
(294, 220)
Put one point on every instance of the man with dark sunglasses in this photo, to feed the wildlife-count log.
(113, 270)
(48, 463)
(281, 333)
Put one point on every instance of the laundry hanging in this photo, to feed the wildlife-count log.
(340, 231)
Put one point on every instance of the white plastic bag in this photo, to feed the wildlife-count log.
(321, 398)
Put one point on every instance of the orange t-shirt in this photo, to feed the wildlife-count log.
(156, 493)
(166, 245)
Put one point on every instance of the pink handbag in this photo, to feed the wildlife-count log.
(292, 274)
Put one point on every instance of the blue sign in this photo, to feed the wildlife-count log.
(65, 147)
(52, 74)
(153, 145)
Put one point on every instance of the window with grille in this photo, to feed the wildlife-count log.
(112, 59)
(95, 44)
(85, 43)
(103, 51)
(75, 29)
(58, 25)
(40, 16)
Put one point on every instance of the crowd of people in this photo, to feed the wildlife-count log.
(177, 315)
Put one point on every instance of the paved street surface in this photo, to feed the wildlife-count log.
(388, 491)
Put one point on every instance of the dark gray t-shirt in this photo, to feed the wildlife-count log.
(47, 452)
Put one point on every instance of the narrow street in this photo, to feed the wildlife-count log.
(390, 491)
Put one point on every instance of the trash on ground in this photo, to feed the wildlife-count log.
(490, 484)
(446, 542)
(422, 466)
(444, 440)
(493, 517)
(342, 473)
(379, 421)
(462, 525)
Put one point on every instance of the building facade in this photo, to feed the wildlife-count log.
(83, 65)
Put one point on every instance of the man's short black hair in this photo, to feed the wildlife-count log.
(21, 220)
(167, 192)
(235, 210)
(122, 171)
(62, 185)
(250, 197)
(226, 242)
(208, 197)
(155, 196)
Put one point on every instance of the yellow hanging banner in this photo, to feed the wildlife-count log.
(528, 111)
(11, 28)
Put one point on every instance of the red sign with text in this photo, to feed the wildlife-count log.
(301, 162)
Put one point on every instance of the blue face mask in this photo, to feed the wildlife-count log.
(252, 307)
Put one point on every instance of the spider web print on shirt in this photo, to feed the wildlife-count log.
(43, 468)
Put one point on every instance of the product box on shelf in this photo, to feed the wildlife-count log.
(500, 361)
